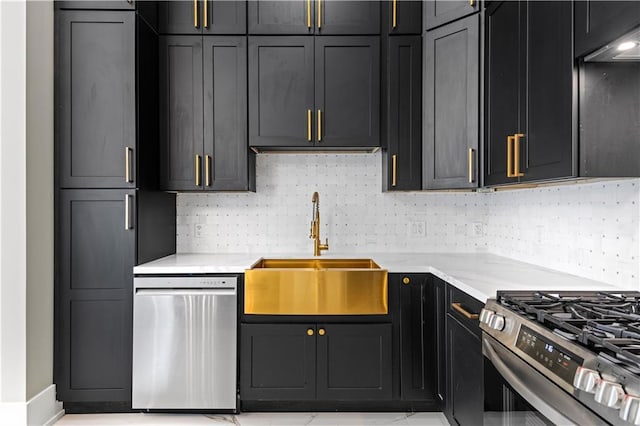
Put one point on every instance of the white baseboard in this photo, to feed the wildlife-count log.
(41, 410)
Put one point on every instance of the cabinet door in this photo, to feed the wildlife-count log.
(547, 146)
(281, 17)
(404, 109)
(452, 102)
(225, 112)
(277, 362)
(179, 17)
(439, 315)
(354, 362)
(347, 17)
(504, 99)
(601, 22)
(347, 83)
(466, 373)
(280, 91)
(417, 338)
(439, 12)
(94, 289)
(403, 16)
(95, 114)
(181, 115)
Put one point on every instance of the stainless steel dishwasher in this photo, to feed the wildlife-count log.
(184, 343)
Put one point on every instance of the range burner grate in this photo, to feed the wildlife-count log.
(606, 322)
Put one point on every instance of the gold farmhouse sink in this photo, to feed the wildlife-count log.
(315, 287)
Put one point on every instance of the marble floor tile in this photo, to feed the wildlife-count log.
(256, 419)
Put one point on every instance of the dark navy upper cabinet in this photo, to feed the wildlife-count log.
(440, 12)
(314, 17)
(600, 22)
(529, 92)
(314, 92)
(347, 91)
(402, 106)
(96, 99)
(202, 17)
(452, 105)
(203, 108)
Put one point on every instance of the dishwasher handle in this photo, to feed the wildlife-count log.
(186, 292)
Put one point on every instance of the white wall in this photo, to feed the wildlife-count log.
(39, 133)
(27, 395)
(588, 229)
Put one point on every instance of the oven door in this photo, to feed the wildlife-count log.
(515, 393)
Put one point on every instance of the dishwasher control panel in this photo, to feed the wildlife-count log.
(183, 282)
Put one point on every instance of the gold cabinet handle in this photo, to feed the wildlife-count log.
(394, 13)
(206, 17)
(510, 139)
(127, 164)
(406, 280)
(197, 170)
(394, 169)
(308, 13)
(458, 307)
(516, 154)
(207, 170)
(309, 125)
(195, 14)
(310, 332)
(127, 212)
(471, 176)
(319, 124)
(472, 3)
(321, 332)
(319, 14)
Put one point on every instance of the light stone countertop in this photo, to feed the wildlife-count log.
(477, 274)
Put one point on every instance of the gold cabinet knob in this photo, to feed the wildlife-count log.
(406, 280)
(321, 332)
(310, 332)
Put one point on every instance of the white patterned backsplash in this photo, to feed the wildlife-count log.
(586, 229)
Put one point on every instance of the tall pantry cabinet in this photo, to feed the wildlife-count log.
(108, 215)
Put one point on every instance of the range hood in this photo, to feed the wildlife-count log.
(623, 49)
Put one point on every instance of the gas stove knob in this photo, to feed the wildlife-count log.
(486, 315)
(586, 379)
(497, 322)
(609, 394)
(630, 410)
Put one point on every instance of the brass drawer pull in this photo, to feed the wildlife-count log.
(308, 13)
(406, 280)
(395, 14)
(127, 164)
(458, 307)
(321, 332)
(394, 169)
(319, 126)
(197, 170)
(207, 170)
(471, 177)
(516, 154)
(309, 125)
(310, 332)
(510, 139)
(195, 13)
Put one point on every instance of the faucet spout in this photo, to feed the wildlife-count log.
(315, 226)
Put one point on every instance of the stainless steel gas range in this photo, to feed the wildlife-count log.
(562, 357)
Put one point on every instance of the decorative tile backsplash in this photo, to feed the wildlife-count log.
(588, 229)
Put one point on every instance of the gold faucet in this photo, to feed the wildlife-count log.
(315, 227)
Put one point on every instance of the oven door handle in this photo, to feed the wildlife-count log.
(553, 402)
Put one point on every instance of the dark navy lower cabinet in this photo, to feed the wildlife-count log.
(306, 362)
